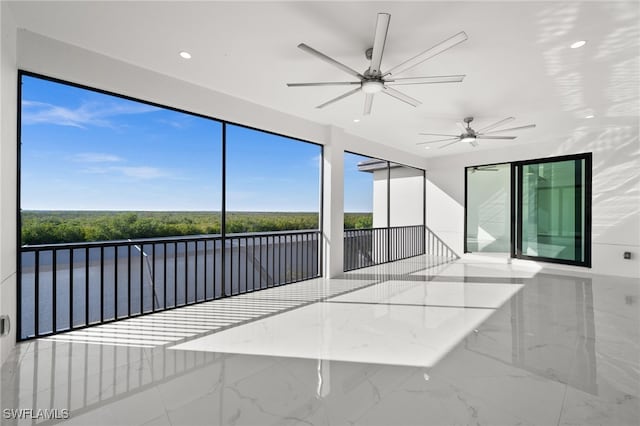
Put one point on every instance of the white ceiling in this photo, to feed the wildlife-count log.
(517, 59)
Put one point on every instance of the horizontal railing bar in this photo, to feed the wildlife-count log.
(382, 228)
(150, 241)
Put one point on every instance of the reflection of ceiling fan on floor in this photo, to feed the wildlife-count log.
(470, 135)
(373, 80)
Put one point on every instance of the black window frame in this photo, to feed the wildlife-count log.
(516, 213)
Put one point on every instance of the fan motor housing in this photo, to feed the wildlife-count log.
(369, 53)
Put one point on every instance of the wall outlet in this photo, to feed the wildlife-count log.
(4, 325)
(627, 255)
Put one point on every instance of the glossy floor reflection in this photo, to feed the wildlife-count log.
(400, 344)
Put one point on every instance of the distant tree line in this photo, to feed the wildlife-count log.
(52, 227)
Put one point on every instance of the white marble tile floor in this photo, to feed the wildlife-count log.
(414, 342)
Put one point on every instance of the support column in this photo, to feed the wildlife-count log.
(333, 203)
(8, 175)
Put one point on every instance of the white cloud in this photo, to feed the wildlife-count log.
(87, 114)
(141, 172)
(179, 123)
(96, 157)
(135, 172)
(315, 161)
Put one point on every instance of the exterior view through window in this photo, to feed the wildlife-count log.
(384, 211)
(273, 184)
(122, 208)
(359, 193)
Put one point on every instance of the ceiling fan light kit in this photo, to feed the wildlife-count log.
(372, 86)
(373, 80)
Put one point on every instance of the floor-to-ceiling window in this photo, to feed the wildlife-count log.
(272, 185)
(124, 209)
(96, 168)
(365, 211)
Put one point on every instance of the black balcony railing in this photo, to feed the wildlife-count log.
(369, 247)
(70, 286)
(435, 247)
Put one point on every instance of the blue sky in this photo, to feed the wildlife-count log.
(358, 186)
(83, 150)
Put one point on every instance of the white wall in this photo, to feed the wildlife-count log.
(380, 199)
(616, 192)
(405, 198)
(8, 173)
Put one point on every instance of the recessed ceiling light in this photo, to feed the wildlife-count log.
(356, 120)
(427, 147)
(589, 116)
(578, 44)
(185, 55)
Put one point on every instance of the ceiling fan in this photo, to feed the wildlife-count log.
(470, 135)
(373, 80)
(484, 169)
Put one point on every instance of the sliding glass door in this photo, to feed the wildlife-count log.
(553, 209)
(536, 209)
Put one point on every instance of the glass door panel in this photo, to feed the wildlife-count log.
(488, 208)
(553, 211)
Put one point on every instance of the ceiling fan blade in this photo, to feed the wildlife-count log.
(447, 144)
(496, 124)
(439, 140)
(368, 102)
(437, 134)
(429, 53)
(328, 83)
(528, 126)
(329, 60)
(379, 40)
(401, 96)
(495, 137)
(344, 95)
(426, 80)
